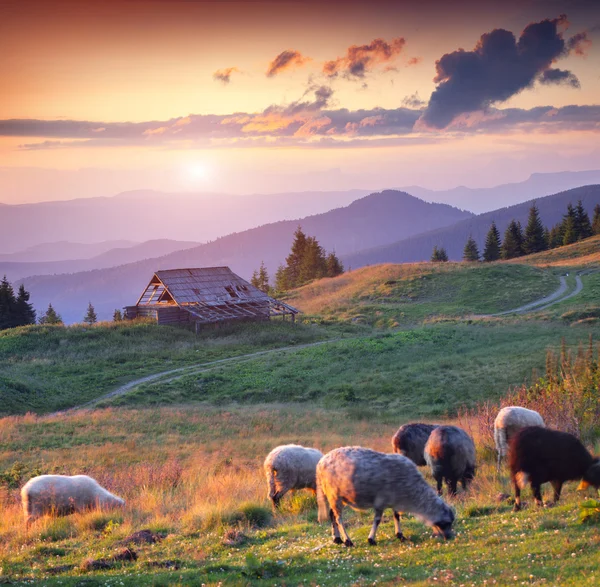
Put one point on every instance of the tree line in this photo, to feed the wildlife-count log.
(574, 226)
(307, 261)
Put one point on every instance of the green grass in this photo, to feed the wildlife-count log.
(220, 452)
(48, 368)
(428, 371)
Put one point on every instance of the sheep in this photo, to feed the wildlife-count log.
(64, 495)
(363, 478)
(450, 453)
(290, 466)
(538, 455)
(410, 441)
(508, 422)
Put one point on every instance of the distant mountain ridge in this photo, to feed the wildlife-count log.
(481, 200)
(62, 251)
(376, 219)
(453, 238)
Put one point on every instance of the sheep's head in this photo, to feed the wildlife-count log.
(592, 476)
(443, 527)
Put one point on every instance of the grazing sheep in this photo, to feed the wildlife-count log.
(290, 466)
(538, 455)
(364, 479)
(508, 422)
(64, 495)
(450, 453)
(410, 441)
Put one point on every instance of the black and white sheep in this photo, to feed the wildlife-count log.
(410, 441)
(363, 478)
(63, 495)
(508, 422)
(450, 453)
(290, 466)
(538, 455)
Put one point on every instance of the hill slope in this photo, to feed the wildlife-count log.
(453, 238)
(376, 219)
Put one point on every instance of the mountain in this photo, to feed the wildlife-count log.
(481, 200)
(453, 238)
(63, 250)
(144, 215)
(109, 258)
(377, 219)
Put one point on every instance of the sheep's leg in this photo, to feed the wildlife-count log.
(334, 528)
(517, 494)
(499, 462)
(439, 484)
(452, 486)
(557, 486)
(536, 488)
(399, 534)
(465, 483)
(337, 515)
(376, 522)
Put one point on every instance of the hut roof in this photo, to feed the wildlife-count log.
(211, 294)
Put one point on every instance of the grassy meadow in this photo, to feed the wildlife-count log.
(193, 476)
(404, 342)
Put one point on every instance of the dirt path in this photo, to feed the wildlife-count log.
(172, 374)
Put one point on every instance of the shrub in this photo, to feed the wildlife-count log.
(589, 511)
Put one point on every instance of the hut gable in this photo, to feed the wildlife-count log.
(205, 295)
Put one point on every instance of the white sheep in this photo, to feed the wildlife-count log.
(363, 478)
(290, 466)
(508, 422)
(63, 495)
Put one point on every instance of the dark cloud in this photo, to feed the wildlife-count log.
(360, 59)
(285, 60)
(579, 43)
(499, 67)
(413, 101)
(224, 75)
(559, 76)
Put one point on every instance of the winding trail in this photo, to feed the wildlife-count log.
(173, 374)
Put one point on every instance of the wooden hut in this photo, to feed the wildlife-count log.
(208, 295)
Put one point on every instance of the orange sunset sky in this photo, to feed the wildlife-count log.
(242, 97)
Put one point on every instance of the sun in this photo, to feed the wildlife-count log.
(196, 172)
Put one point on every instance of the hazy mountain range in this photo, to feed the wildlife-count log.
(373, 220)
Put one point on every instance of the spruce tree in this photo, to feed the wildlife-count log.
(295, 258)
(439, 255)
(90, 316)
(260, 278)
(569, 226)
(596, 220)
(491, 251)
(512, 246)
(51, 316)
(314, 264)
(334, 266)
(117, 316)
(471, 252)
(556, 236)
(582, 222)
(7, 304)
(534, 241)
(25, 314)
(281, 280)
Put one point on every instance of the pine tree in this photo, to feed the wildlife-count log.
(439, 255)
(534, 241)
(582, 222)
(25, 314)
(596, 220)
(51, 316)
(556, 236)
(334, 266)
(569, 226)
(7, 304)
(314, 264)
(512, 245)
(117, 316)
(90, 316)
(295, 258)
(260, 278)
(281, 280)
(491, 252)
(471, 252)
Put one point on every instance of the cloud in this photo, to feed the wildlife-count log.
(285, 60)
(224, 75)
(413, 101)
(361, 59)
(559, 76)
(499, 67)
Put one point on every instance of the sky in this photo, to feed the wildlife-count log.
(246, 97)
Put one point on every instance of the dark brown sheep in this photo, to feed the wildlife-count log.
(538, 455)
(410, 441)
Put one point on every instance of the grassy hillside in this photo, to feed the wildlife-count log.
(392, 295)
(581, 254)
(193, 476)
